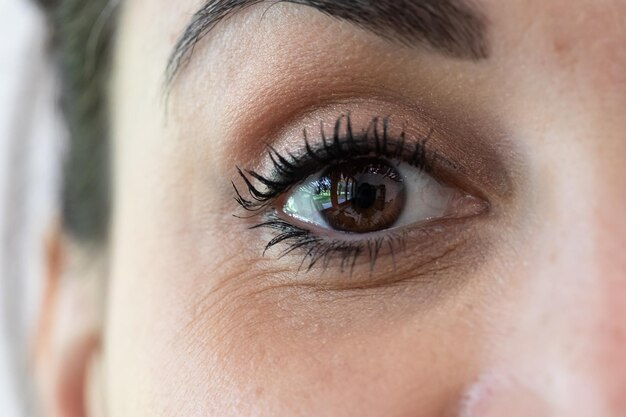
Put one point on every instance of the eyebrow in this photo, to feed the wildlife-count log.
(456, 28)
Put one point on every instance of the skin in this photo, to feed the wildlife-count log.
(520, 315)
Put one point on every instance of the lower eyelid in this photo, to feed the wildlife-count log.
(408, 250)
(427, 254)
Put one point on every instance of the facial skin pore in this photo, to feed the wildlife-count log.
(517, 311)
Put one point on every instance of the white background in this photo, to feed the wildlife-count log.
(30, 146)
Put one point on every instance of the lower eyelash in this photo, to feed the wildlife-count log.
(321, 251)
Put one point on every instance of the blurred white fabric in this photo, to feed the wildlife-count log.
(30, 149)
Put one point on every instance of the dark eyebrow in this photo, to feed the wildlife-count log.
(453, 27)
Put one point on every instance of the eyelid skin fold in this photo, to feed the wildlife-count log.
(289, 170)
(479, 150)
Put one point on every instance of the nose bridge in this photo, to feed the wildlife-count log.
(610, 351)
(567, 353)
(568, 356)
(592, 343)
(607, 202)
(580, 300)
(588, 330)
(609, 326)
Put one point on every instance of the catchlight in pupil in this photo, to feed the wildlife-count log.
(359, 196)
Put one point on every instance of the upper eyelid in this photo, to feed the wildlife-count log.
(471, 151)
(287, 173)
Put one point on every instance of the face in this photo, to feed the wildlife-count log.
(419, 227)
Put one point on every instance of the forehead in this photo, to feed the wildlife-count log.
(581, 34)
(561, 52)
(578, 36)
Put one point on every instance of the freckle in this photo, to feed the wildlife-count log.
(553, 257)
(561, 47)
(259, 392)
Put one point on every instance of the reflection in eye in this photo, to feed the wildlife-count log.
(352, 193)
(369, 195)
(360, 196)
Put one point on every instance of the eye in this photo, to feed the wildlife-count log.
(369, 195)
(349, 195)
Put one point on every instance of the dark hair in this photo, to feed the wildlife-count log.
(82, 38)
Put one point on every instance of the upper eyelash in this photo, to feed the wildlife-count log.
(291, 169)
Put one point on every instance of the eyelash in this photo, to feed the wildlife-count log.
(290, 170)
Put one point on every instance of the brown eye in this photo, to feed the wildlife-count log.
(367, 195)
(360, 196)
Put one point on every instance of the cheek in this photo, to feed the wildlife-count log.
(188, 339)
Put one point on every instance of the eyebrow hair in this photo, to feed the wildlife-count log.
(453, 27)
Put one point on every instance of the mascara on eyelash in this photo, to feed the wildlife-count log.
(291, 169)
(317, 251)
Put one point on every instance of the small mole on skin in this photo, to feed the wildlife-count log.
(563, 50)
(553, 257)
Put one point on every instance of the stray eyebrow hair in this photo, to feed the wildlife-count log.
(455, 28)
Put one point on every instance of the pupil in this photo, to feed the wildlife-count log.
(365, 196)
(361, 196)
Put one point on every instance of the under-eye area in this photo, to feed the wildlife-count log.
(358, 197)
